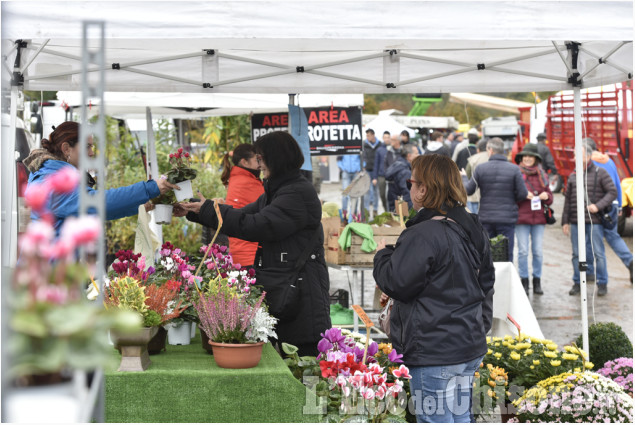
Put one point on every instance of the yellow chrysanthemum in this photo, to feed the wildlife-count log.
(531, 367)
(491, 383)
(552, 346)
(529, 352)
(497, 338)
(497, 355)
(508, 337)
(569, 356)
(477, 375)
(514, 355)
(522, 345)
(536, 362)
(497, 344)
(555, 363)
(577, 369)
(550, 354)
(588, 365)
(489, 351)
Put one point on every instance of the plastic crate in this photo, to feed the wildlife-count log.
(499, 248)
(340, 297)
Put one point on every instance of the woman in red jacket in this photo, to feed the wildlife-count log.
(531, 219)
(243, 187)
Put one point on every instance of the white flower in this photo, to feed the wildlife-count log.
(92, 292)
(262, 327)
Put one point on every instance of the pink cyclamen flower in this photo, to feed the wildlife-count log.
(369, 394)
(65, 180)
(82, 230)
(402, 372)
(381, 392)
(36, 195)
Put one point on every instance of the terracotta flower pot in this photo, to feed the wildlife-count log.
(237, 356)
(134, 349)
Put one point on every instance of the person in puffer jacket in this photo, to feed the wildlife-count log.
(397, 174)
(531, 218)
(61, 151)
(441, 277)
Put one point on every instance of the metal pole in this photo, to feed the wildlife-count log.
(580, 182)
(97, 201)
(153, 173)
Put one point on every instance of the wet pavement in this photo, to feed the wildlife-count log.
(558, 313)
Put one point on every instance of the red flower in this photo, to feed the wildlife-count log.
(187, 155)
(329, 369)
(173, 285)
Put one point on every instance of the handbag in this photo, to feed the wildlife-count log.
(608, 216)
(548, 212)
(282, 285)
(384, 317)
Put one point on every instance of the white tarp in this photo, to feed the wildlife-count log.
(385, 122)
(343, 47)
(195, 105)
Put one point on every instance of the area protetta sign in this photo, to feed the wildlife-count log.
(332, 130)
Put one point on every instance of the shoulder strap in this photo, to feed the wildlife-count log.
(307, 250)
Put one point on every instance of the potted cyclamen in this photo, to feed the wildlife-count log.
(174, 272)
(181, 174)
(237, 329)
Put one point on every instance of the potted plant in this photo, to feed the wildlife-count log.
(181, 174)
(575, 397)
(621, 372)
(355, 389)
(219, 266)
(127, 293)
(174, 271)
(163, 206)
(54, 328)
(237, 330)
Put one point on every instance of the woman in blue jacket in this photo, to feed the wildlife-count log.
(441, 276)
(61, 150)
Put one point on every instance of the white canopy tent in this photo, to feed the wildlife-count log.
(198, 105)
(321, 47)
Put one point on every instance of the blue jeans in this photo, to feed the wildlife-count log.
(372, 197)
(443, 393)
(618, 246)
(507, 230)
(473, 207)
(592, 234)
(536, 231)
(347, 178)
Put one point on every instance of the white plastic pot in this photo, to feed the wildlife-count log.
(193, 334)
(179, 334)
(185, 193)
(163, 213)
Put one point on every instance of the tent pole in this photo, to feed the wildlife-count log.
(580, 182)
(9, 196)
(153, 173)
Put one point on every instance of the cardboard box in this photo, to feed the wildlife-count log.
(354, 255)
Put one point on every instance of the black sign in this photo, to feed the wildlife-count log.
(332, 130)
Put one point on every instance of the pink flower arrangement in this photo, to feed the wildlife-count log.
(621, 372)
(221, 264)
(225, 315)
(132, 265)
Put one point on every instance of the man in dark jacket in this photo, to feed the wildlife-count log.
(379, 172)
(371, 145)
(502, 186)
(601, 193)
(397, 174)
(548, 164)
(470, 149)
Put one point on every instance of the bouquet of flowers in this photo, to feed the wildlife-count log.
(53, 325)
(575, 397)
(621, 371)
(227, 316)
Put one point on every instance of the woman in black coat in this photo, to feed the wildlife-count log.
(441, 276)
(283, 221)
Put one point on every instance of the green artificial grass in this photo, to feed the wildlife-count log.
(184, 384)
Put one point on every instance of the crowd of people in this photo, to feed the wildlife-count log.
(463, 191)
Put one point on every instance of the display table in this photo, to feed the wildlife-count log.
(510, 297)
(184, 384)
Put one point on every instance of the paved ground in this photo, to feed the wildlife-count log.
(559, 314)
